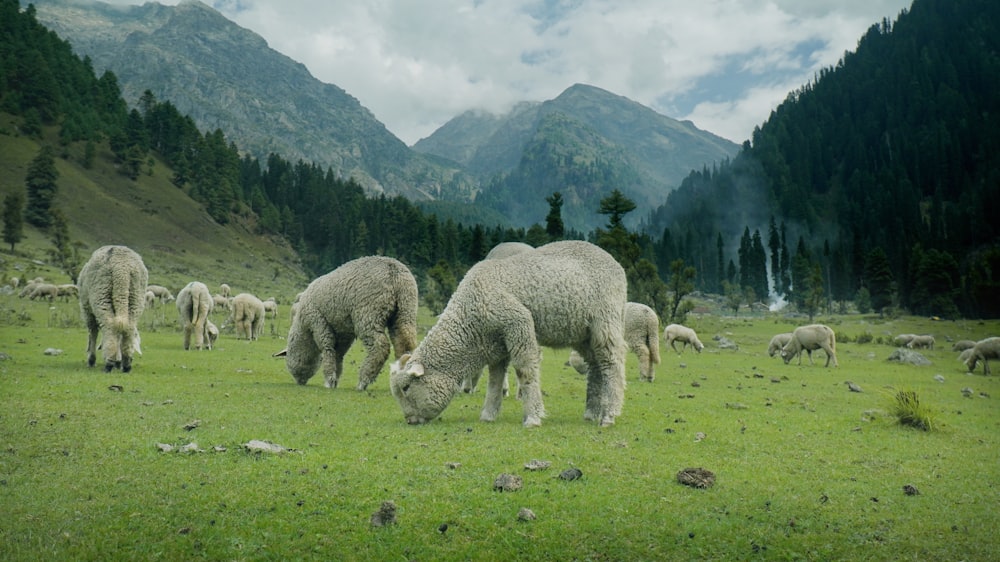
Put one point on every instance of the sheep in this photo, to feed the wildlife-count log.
(271, 307)
(150, 299)
(778, 342)
(676, 332)
(219, 302)
(965, 355)
(225, 291)
(641, 327)
(68, 290)
(810, 338)
(163, 295)
(917, 342)
(563, 294)
(194, 304)
(962, 345)
(500, 251)
(248, 315)
(984, 350)
(14, 282)
(44, 290)
(902, 339)
(29, 287)
(362, 299)
(112, 287)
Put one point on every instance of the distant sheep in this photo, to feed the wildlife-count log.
(68, 290)
(225, 291)
(112, 297)
(28, 288)
(163, 295)
(220, 302)
(678, 333)
(811, 338)
(921, 342)
(984, 350)
(194, 304)
(778, 342)
(248, 315)
(563, 294)
(44, 291)
(962, 345)
(13, 282)
(149, 299)
(642, 336)
(271, 308)
(902, 339)
(373, 299)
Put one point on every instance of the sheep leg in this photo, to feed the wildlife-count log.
(92, 329)
(377, 347)
(830, 354)
(470, 382)
(494, 391)
(645, 365)
(525, 358)
(333, 360)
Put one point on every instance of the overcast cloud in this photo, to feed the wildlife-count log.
(723, 64)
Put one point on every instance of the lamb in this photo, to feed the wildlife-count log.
(676, 332)
(45, 291)
(641, 327)
(194, 304)
(962, 345)
(563, 294)
(112, 288)
(225, 291)
(778, 342)
(810, 338)
(271, 307)
(984, 350)
(917, 342)
(248, 315)
(163, 294)
(362, 299)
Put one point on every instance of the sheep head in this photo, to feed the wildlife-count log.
(302, 355)
(422, 394)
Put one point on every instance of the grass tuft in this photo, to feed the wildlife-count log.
(908, 409)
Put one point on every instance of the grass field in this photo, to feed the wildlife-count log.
(805, 469)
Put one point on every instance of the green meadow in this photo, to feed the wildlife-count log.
(805, 469)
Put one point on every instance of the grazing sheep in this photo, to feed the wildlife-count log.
(918, 342)
(362, 299)
(163, 294)
(68, 290)
(112, 296)
(194, 304)
(641, 327)
(984, 350)
(220, 302)
(811, 338)
(563, 294)
(965, 355)
(150, 299)
(962, 345)
(248, 315)
(28, 288)
(271, 307)
(676, 332)
(225, 291)
(902, 339)
(778, 342)
(45, 291)
(13, 282)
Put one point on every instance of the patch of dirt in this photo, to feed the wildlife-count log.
(696, 477)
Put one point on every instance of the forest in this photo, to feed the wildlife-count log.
(877, 184)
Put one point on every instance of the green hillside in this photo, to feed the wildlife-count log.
(178, 240)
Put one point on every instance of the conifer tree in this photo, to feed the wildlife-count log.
(41, 188)
(13, 219)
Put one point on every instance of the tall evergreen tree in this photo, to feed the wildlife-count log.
(774, 244)
(553, 221)
(41, 188)
(878, 279)
(13, 219)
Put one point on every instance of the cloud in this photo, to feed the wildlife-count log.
(723, 65)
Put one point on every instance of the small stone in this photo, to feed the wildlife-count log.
(386, 515)
(452, 465)
(696, 477)
(116, 388)
(967, 392)
(699, 436)
(571, 474)
(52, 351)
(525, 514)
(164, 447)
(853, 387)
(508, 482)
(536, 464)
(939, 378)
(911, 490)
(192, 425)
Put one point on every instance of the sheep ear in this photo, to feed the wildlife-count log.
(281, 353)
(417, 370)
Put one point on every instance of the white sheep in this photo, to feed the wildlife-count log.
(902, 339)
(194, 304)
(676, 332)
(962, 345)
(984, 350)
(67, 290)
(373, 299)
(150, 299)
(28, 288)
(220, 302)
(13, 282)
(641, 327)
(248, 315)
(112, 296)
(163, 295)
(225, 291)
(918, 342)
(563, 294)
(810, 338)
(44, 291)
(271, 308)
(778, 342)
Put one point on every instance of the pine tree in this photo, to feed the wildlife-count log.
(13, 219)
(41, 188)
(878, 279)
(553, 221)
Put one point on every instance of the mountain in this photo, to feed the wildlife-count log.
(226, 77)
(584, 143)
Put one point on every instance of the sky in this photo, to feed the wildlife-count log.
(415, 64)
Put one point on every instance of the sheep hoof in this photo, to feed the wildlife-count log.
(532, 422)
(607, 421)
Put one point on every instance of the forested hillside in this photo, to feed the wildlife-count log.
(883, 173)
